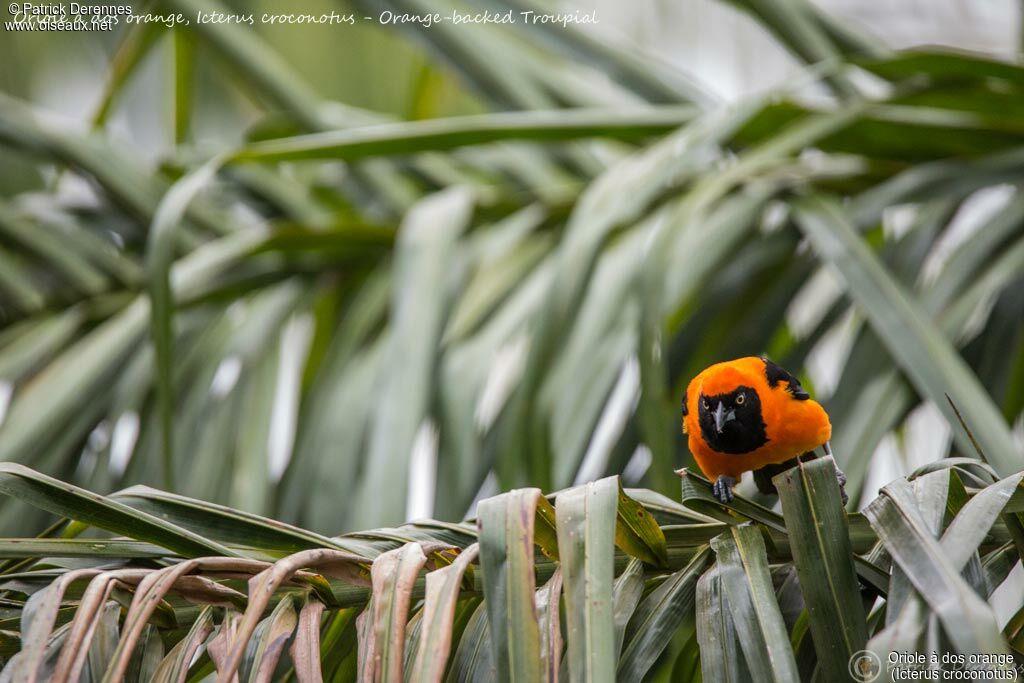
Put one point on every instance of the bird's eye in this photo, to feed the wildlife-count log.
(740, 399)
(705, 405)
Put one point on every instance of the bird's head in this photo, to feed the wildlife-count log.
(729, 411)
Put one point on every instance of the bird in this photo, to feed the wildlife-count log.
(750, 414)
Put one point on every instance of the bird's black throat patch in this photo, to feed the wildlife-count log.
(741, 435)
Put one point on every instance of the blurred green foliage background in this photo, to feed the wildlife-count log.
(344, 276)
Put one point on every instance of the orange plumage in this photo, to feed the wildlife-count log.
(749, 413)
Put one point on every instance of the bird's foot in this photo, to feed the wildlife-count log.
(722, 488)
(841, 478)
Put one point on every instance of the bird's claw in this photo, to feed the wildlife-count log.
(841, 478)
(722, 488)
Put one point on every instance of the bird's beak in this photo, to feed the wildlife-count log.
(722, 417)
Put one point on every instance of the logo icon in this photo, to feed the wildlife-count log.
(865, 666)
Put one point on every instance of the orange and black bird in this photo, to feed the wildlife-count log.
(749, 414)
